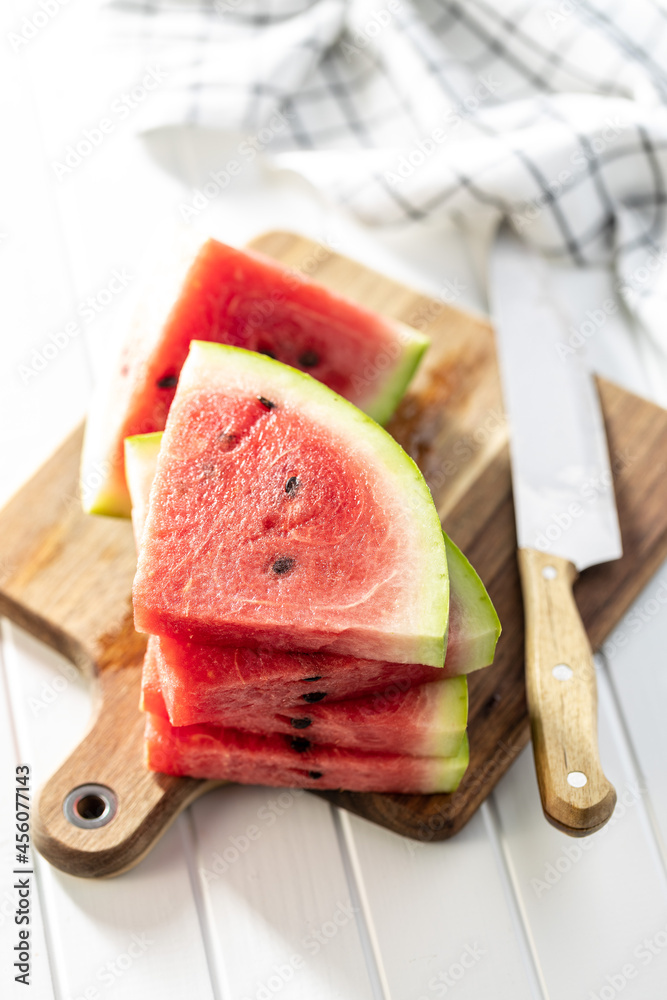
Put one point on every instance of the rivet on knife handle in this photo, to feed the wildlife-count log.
(562, 698)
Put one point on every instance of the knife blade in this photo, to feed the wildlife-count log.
(566, 520)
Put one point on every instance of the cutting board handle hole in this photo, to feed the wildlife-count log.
(90, 806)
(577, 779)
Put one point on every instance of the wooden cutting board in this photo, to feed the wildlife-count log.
(66, 577)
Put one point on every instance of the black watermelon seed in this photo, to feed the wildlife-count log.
(266, 402)
(314, 774)
(300, 744)
(167, 382)
(227, 440)
(309, 359)
(268, 354)
(291, 486)
(308, 679)
(313, 696)
(300, 723)
(282, 565)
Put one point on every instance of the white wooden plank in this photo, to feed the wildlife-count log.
(635, 654)
(43, 379)
(41, 986)
(277, 899)
(35, 296)
(438, 914)
(110, 196)
(598, 898)
(110, 937)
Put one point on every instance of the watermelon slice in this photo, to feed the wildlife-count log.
(244, 299)
(293, 761)
(282, 516)
(195, 678)
(425, 720)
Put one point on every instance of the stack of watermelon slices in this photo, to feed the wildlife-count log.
(294, 581)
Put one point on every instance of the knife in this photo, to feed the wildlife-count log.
(566, 520)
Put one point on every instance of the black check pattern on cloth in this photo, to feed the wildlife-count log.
(552, 114)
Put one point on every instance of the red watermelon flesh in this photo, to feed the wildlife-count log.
(282, 516)
(473, 632)
(246, 300)
(198, 680)
(292, 761)
(426, 720)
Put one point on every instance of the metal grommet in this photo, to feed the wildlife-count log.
(90, 806)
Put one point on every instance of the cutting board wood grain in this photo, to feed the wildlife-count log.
(66, 577)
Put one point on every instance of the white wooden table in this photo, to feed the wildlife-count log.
(321, 905)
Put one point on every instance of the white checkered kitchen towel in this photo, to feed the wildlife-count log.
(550, 112)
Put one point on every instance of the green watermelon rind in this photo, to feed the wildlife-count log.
(140, 448)
(452, 709)
(414, 345)
(449, 771)
(141, 455)
(219, 365)
(483, 626)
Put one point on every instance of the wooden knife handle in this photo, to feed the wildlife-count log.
(562, 698)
